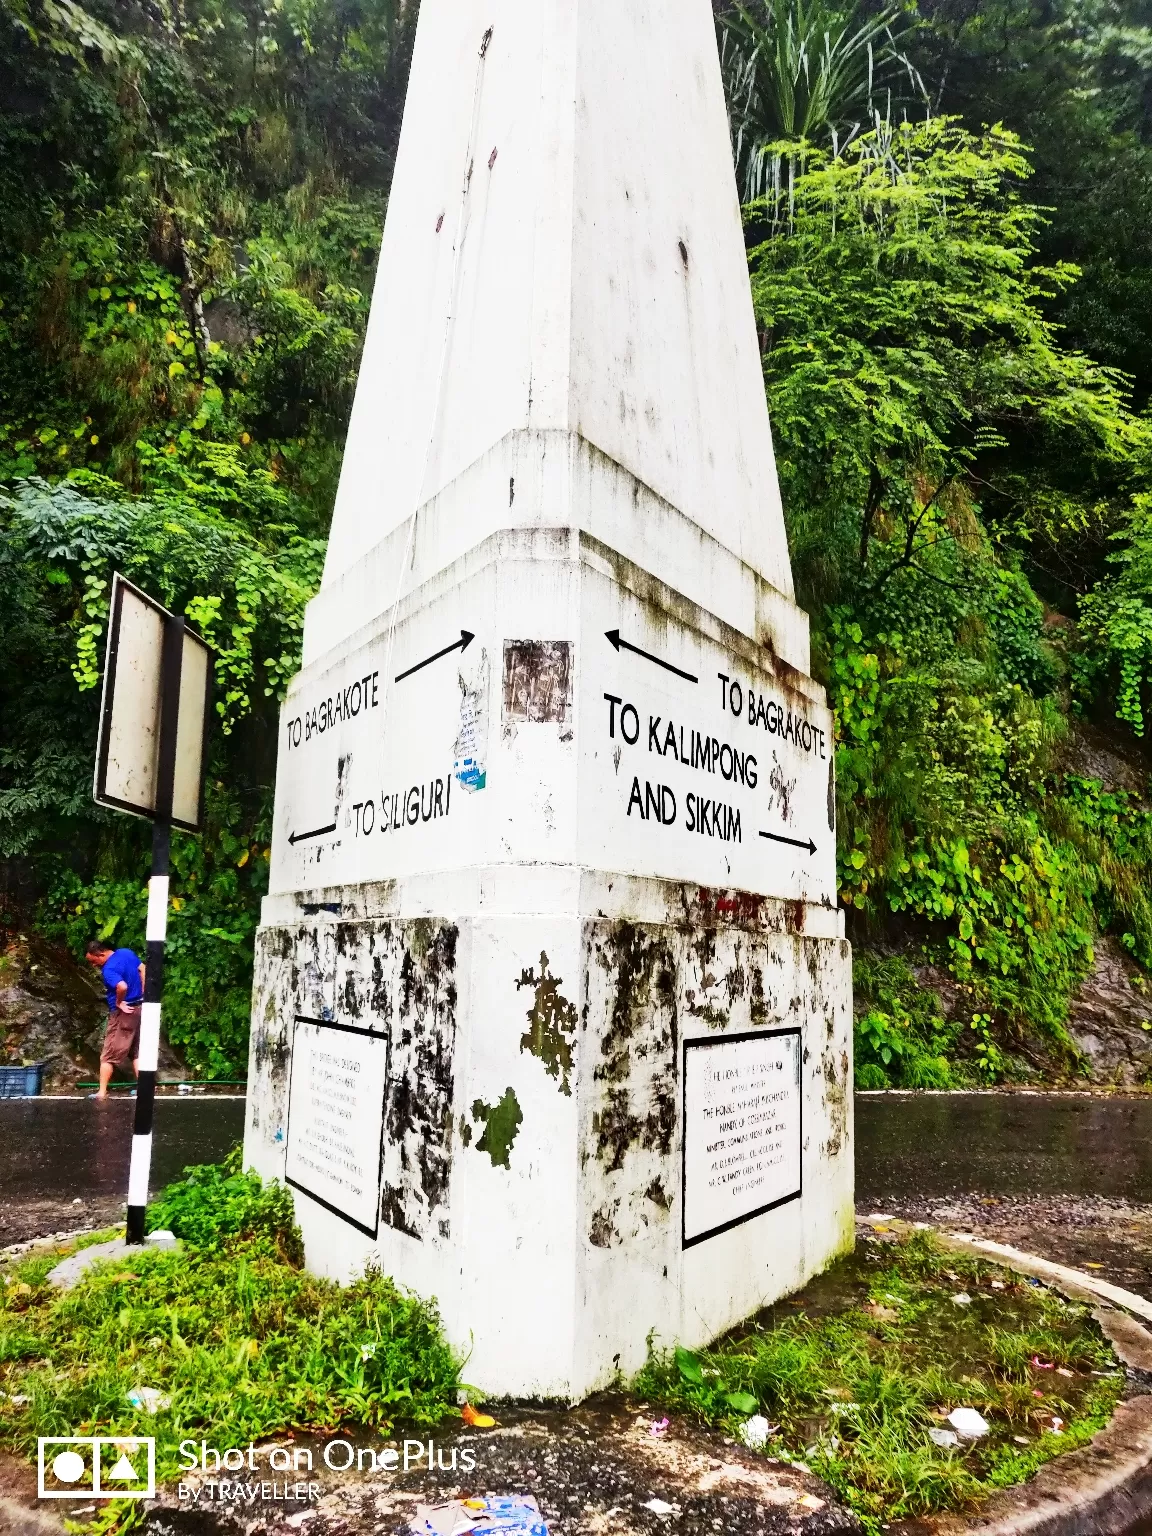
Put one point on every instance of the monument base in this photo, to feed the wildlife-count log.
(576, 1108)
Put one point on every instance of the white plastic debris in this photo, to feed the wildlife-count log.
(164, 1240)
(943, 1437)
(441, 1520)
(149, 1399)
(756, 1432)
(659, 1507)
(968, 1424)
(962, 1299)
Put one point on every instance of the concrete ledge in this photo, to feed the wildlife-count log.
(1103, 1488)
(1076, 1282)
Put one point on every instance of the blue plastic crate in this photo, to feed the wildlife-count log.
(21, 1082)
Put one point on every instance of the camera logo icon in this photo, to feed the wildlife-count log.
(96, 1467)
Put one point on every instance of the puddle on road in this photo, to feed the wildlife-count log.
(56, 1148)
(936, 1146)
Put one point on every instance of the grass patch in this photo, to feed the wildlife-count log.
(858, 1369)
(232, 1330)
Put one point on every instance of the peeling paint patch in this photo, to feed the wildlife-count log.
(551, 1024)
(658, 1195)
(419, 979)
(537, 682)
(501, 1124)
(632, 1126)
(602, 1230)
(783, 788)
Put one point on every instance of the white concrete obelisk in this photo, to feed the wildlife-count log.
(552, 1013)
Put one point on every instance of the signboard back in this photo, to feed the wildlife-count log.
(128, 753)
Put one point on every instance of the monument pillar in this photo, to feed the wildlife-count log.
(552, 1012)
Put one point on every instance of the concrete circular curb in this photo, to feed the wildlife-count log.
(1103, 1488)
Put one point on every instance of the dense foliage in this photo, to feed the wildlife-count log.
(950, 234)
(932, 428)
(235, 1340)
(193, 197)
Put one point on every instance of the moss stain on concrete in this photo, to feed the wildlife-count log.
(551, 1024)
(501, 1122)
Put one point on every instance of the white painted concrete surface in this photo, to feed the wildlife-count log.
(554, 800)
(545, 289)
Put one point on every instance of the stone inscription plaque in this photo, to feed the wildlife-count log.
(336, 1119)
(742, 1129)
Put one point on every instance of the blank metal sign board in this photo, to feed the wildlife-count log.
(129, 746)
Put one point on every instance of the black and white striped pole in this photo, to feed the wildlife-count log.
(151, 755)
(157, 929)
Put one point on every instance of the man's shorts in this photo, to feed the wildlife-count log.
(122, 1038)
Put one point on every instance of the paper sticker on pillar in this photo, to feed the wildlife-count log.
(471, 745)
(742, 1129)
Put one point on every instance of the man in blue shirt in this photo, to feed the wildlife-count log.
(122, 972)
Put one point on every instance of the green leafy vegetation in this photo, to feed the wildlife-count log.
(231, 1330)
(902, 1038)
(856, 1372)
(949, 223)
(216, 1201)
(193, 200)
(933, 429)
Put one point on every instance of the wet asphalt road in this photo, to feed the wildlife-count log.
(55, 1152)
(1070, 1159)
(941, 1146)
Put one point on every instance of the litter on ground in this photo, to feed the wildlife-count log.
(514, 1515)
(968, 1424)
(660, 1507)
(756, 1432)
(475, 1419)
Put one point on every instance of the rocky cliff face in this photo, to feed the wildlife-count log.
(52, 1010)
(49, 1011)
(1111, 1019)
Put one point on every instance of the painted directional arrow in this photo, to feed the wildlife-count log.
(774, 837)
(465, 640)
(306, 837)
(626, 645)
